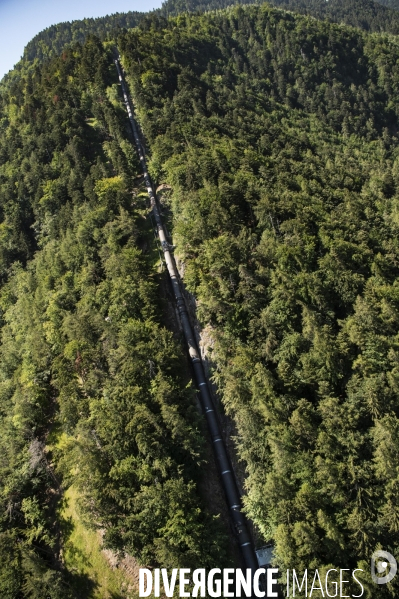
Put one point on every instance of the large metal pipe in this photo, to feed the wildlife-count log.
(225, 469)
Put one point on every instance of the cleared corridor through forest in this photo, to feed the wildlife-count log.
(223, 462)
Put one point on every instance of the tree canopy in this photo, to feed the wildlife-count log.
(278, 136)
(92, 384)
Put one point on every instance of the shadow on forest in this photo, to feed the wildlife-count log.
(83, 585)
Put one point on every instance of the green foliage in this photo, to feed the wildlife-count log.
(56, 39)
(10, 572)
(278, 135)
(82, 342)
(52, 41)
(363, 14)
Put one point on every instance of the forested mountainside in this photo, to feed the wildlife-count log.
(91, 389)
(50, 42)
(366, 14)
(390, 4)
(278, 135)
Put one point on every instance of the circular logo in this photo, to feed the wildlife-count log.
(380, 561)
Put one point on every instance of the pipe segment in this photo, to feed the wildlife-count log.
(227, 476)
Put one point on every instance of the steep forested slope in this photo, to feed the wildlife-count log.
(86, 367)
(50, 42)
(279, 137)
(365, 14)
(278, 134)
(390, 4)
